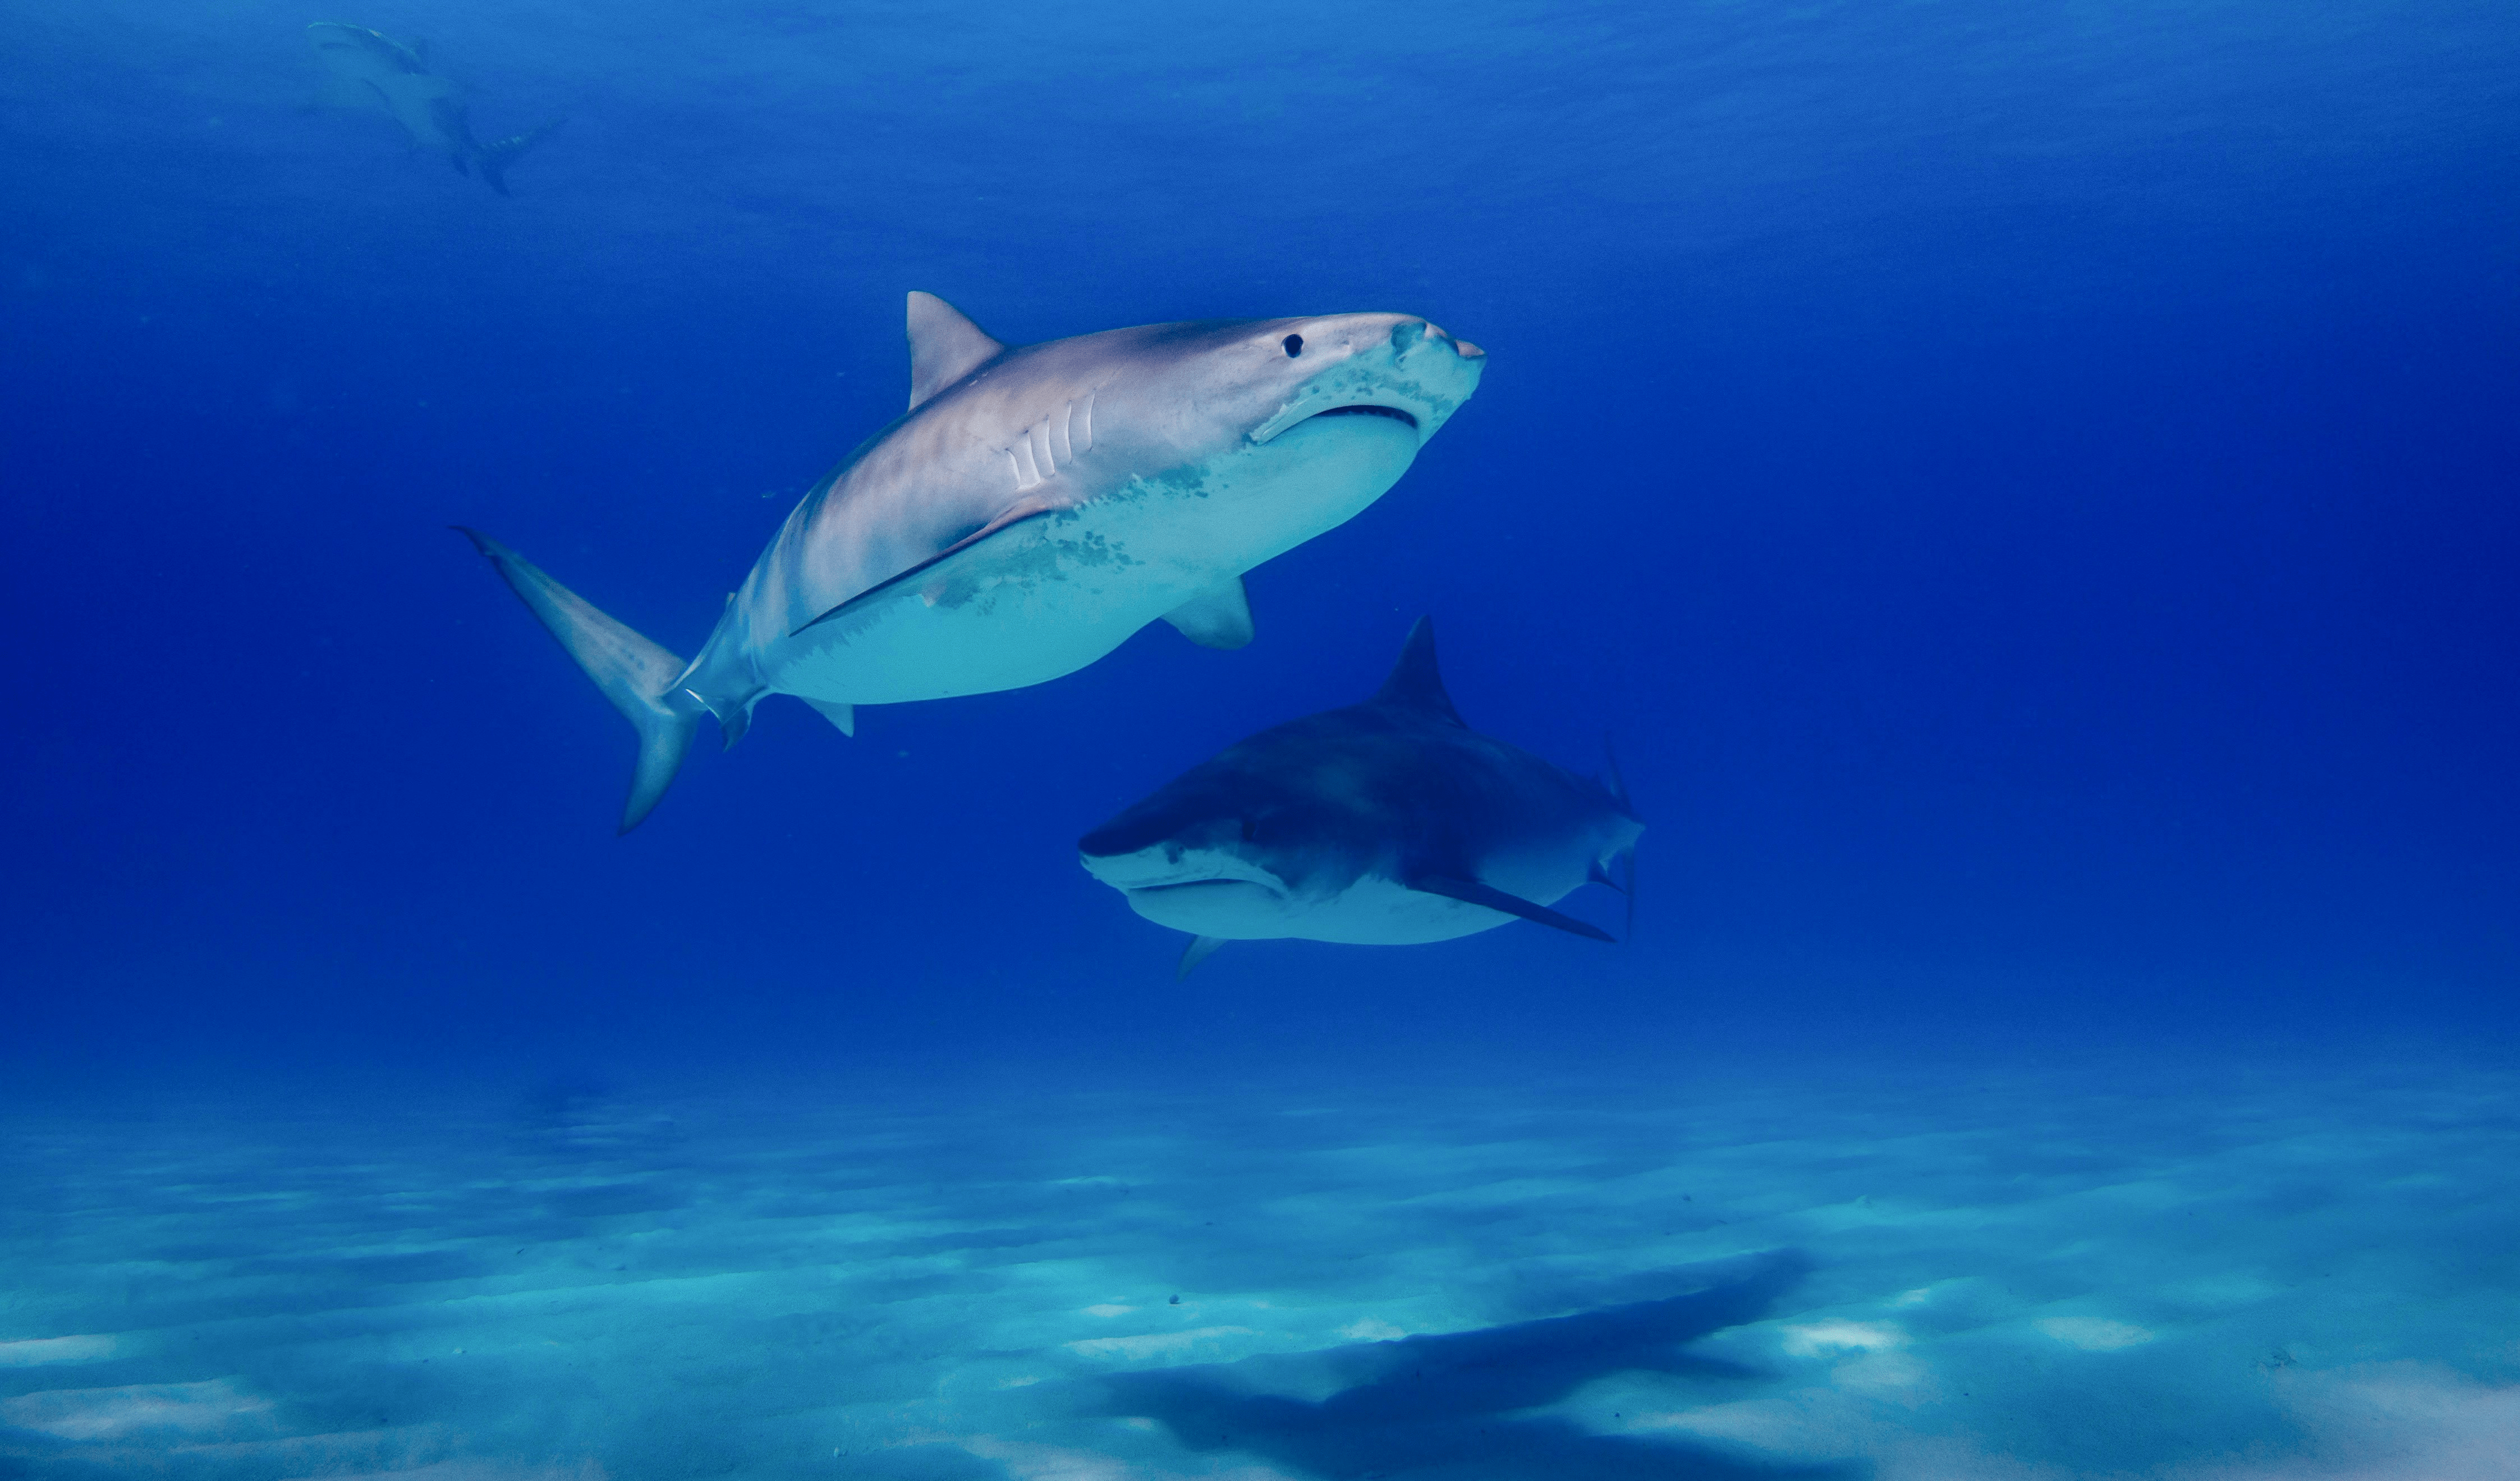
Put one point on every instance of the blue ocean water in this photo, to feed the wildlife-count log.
(2027, 489)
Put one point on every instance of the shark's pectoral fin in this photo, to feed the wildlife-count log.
(845, 717)
(338, 91)
(1201, 947)
(1472, 892)
(892, 585)
(944, 346)
(1217, 617)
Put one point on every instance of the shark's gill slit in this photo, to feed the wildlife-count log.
(1026, 474)
(1039, 436)
(1015, 470)
(1060, 447)
(1085, 423)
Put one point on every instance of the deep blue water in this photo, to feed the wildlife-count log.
(2029, 491)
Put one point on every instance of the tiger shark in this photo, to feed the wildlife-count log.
(371, 68)
(1385, 823)
(1032, 508)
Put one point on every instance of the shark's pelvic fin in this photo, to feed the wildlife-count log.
(496, 158)
(845, 717)
(1627, 860)
(1201, 947)
(944, 346)
(1472, 892)
(635, 674)
(1217, 617)
(1414, 683)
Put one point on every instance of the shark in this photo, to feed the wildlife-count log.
(1032, 508)
(1385, 823)
(372, 69)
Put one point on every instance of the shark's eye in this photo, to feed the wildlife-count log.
(1294, 346)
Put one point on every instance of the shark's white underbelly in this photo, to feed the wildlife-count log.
(1371, 912)
(1054, 594)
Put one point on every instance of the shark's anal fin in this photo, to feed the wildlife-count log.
(1217, 617)
(1472, 892)
(845, 717)
(944, 346)
(636, 675)
(1201, 947)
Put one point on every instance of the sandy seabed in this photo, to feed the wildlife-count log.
(2283, 1270)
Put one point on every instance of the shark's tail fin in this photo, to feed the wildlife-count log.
(635, 674)
(496, 158)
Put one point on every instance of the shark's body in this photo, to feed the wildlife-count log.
(1033, 509)
(1386, 823)
(372, 69)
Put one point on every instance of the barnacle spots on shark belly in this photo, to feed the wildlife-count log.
(1182, 480)
(1057, 554)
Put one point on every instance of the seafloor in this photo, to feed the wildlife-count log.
(2289, 1268)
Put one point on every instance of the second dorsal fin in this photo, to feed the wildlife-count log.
(1414, 683)
(944, 346)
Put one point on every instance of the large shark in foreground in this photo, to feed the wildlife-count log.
(372, 69)
(1386, 823)
(1033, 509)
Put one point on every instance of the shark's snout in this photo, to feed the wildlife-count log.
(1411, 372)
(1409, 334)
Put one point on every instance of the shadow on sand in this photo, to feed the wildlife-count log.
(1446, 1406)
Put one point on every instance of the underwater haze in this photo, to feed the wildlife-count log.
(2026, 492)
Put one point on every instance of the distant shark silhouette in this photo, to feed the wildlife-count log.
(1032, 510)
(372, 69)
(1385, 823)
(1424, 1408)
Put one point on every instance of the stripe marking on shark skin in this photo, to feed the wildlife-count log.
(1385, 823)
(1032, 508)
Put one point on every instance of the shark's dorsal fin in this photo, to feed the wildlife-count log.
(1415, 684)
(944, 346)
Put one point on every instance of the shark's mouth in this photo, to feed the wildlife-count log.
(1182, 887)
(1393, 411)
